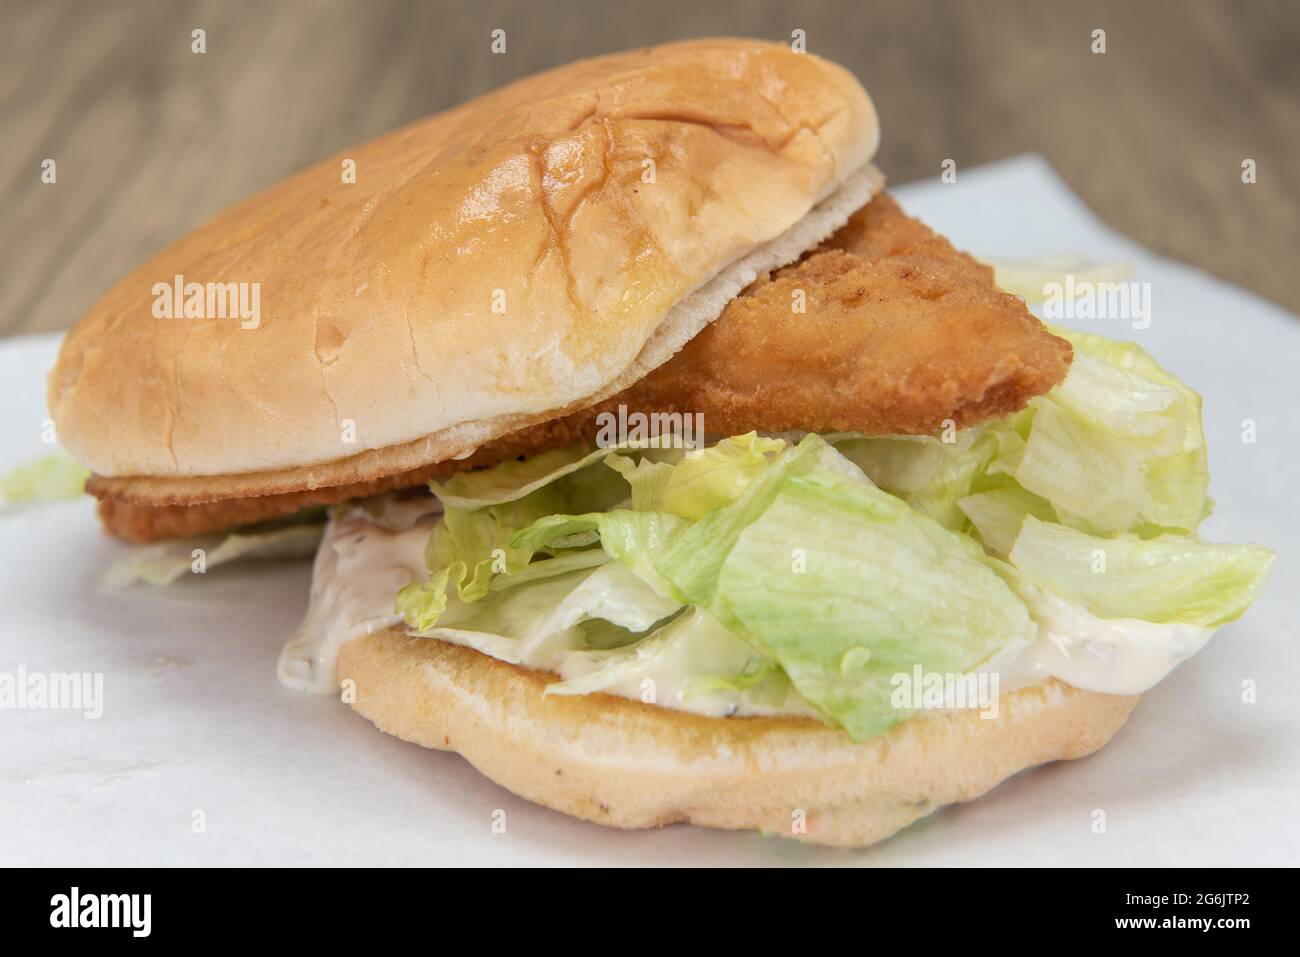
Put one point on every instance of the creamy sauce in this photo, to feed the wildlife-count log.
(1108, 655)
(361, 566)
(358, 572)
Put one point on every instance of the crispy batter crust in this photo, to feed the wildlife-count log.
(899, 332)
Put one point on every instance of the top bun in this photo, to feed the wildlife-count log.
(490, 266)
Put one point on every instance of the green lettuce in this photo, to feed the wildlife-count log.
(512, 554)
(696, 558)
(1177, 483)
(484, 509)
(701, 481)
(165, 562)
(809, 575)
(566, 499)
(543, 622)
(501, 623)
(1117, 447)
(637, 539)
(1097, 441)
(928, 473)
(845, 586)
(694, 647)
(565, 474)
(829, 580)
(1171, 578)
(50, 478)
(998, 514)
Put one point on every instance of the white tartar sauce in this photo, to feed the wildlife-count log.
(361, 566)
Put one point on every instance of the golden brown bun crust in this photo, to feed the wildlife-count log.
(381, 299)
(625, 764)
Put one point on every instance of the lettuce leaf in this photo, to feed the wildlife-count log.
(1094, 442)
(473, 545)
(692, 658)
(1171, 578)
(708, 479)
(496, 625)
(929, 474)
(998, 514)
(844, 586)
(605, 630)
(1177, 484)
(693, 564)
(637, 539)
(647, 476)
(165, 562)
(634, 538)
(538, 623)
(1117, 447)
(567, 472)
(50, 478)
(484, 509)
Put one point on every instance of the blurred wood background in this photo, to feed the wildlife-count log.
(151, 139)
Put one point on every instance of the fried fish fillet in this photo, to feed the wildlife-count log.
(885, 329)
(848, 340)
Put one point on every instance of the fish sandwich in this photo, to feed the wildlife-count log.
(657, 462)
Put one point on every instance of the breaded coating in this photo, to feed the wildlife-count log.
(885, 329)
(897, 346)
(149, 523)
(881, 229)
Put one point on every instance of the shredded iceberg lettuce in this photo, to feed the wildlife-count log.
(845, 586)
(928, 473)
(1030, 278)
(1171, 578)
(165, 562)
(692, 657)
(702, 481)
(804, 576)
(826, 582)
(1115, 448)
(50, 478)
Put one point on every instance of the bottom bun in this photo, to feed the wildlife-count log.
(626, 764)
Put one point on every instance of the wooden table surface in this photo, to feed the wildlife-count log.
(151, 139)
